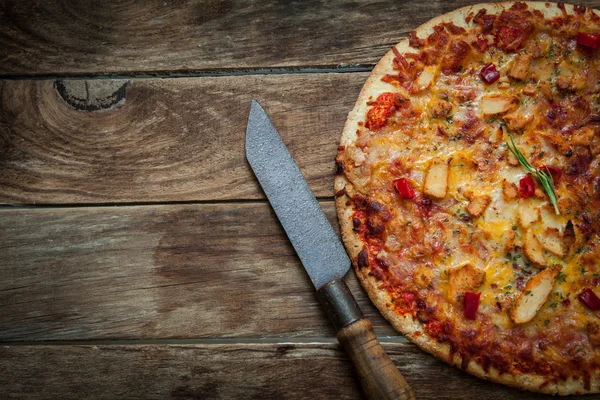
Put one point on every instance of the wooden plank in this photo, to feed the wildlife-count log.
(248, 371)
(174, 271)
(161, 140)
(58, 37)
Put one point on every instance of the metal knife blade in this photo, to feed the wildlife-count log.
(313, 238)
(322, 255)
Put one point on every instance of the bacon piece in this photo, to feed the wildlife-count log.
(485, 21)
(399, 60)
(430, 56)
(452, 63)
(453, 29)
(508, 38)
(513, 31)
(480, 44)
(414, 41)
(439, 38)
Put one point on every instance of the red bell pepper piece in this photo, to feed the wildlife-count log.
(588, 40)
(589, 298)
(489, 74)
(552, 170)
(526, 186)
(471, 304)
(404, 189)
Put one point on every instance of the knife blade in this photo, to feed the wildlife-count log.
(321, 253)
(298, 210)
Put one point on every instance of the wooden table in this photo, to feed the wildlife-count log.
(138, 256)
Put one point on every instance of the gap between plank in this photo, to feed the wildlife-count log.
(11, 206)
(208, 73)
(207, 341)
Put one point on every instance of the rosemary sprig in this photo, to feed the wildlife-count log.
(544, 177)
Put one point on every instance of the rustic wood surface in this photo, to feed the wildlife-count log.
(150, 272)
(166, 140)
(216, 371)
(66, 37)
(138, 256)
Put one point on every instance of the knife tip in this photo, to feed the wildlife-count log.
(254, 104)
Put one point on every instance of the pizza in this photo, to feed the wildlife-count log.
(468, 192)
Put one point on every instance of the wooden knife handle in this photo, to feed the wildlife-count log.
(379, 378)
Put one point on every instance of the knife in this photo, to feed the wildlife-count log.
(322, 255)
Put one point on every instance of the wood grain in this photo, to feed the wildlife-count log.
(65, 37)
(248, 371)
(173, 271)
(159, 140)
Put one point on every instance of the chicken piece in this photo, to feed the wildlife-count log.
(546, 91)
(582, 136)
(497, 104)
(569, 236)
(539, 193)
(478, 204)
(557, 141)
(527, 212)
(578, 82)
(496, 135)
(563, 83)
(520, 67)
(510, 240)
(530, 89)
(425, 80)
(436, 180)
(536, 292)
(535, 48)
(422, 274)
(440, 108)
(516, 121)
(509, 190)
(504, 82)
(533, 249)
(552, 241)
(512, 159)
(465, 278)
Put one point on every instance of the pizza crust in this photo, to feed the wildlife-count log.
(406, 324)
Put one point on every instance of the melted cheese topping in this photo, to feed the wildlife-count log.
(547, 94)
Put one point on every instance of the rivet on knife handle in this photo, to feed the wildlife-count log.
(379, 377)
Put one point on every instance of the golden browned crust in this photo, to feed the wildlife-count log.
(382, 300)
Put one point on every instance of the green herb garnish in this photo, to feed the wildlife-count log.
(544, 177)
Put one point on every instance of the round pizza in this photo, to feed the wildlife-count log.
(468, 192)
